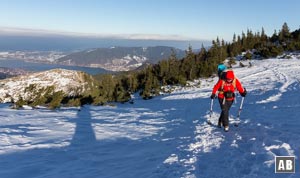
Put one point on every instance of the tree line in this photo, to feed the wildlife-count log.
(149, 80)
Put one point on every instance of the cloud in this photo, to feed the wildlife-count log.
(34, 32)
(157, 37)
(15, 31)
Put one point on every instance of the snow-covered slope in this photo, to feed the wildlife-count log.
(164, 137)
(70, 82)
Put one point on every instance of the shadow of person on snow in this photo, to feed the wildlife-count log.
(56, 161)
(84, 133)
(85, 156)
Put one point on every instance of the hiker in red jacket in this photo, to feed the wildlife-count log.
(226, 96)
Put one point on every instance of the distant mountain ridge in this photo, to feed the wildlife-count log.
(120, 58)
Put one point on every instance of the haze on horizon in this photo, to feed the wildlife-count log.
(180, 23)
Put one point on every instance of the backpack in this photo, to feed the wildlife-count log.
(233, 83)
(228, 94)
(222, 71)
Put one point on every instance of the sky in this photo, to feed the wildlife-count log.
(150, 19)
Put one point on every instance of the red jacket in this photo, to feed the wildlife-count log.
(223, 86)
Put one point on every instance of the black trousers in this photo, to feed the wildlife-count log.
(225, 107)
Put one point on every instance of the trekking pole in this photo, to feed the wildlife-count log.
(210, 112)
(239, 113)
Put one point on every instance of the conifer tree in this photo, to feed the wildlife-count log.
(202, 56)
(119, 94)
(274, 38)
(232, 49)
(174, 70)
(164, 68)
(284, 34)
(223, 51)
(263, 36)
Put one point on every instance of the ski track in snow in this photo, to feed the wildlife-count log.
(164, 137)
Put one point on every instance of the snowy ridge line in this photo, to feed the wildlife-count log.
(70, 82)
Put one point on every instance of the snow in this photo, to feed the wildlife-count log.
(64, 80)
(166, 136)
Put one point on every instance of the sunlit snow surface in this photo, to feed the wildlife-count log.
(163, 137)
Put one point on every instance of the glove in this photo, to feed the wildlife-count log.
(244, 93)
(212, 96)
